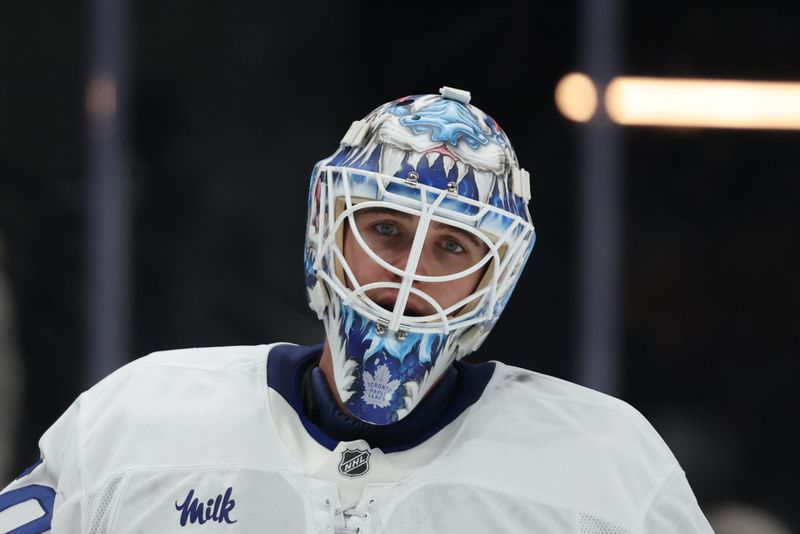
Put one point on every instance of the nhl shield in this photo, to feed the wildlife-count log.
(354, 463)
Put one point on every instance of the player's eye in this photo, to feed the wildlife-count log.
(384, 228)
(452, 246)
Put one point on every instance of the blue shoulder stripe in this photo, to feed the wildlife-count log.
(44, 495)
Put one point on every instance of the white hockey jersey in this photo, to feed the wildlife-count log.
(197, 441)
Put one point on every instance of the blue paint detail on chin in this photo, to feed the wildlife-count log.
(384, 365)
(44, 495)
(363, 339)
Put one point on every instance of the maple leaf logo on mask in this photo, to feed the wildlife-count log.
(378, 388)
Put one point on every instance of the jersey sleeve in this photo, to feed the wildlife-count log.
(674, 509)
(45, 497)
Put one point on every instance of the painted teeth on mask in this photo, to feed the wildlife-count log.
(448, 164)
(391, 160)
(484, 178)
(463, 169)
(432, 157)
(414, 159)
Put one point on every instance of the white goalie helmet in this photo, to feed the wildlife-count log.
(427, 191)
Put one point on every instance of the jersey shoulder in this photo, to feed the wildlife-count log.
(550, 440)
(582, 413)
(179, 375)
(174, 408)
(208, 359)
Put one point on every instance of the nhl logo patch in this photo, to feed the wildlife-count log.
(354, 463)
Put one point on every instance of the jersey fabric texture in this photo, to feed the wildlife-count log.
(203, 440)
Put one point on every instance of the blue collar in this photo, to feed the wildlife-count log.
(292, 371)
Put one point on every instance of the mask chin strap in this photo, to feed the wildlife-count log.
(413, 260)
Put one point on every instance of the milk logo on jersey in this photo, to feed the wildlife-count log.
(218, 509)
(355, 462)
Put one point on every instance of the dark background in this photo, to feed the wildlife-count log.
(233, 102)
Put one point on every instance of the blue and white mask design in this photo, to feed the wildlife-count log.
(401, 299)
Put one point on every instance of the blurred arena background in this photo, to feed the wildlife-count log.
(155, 156)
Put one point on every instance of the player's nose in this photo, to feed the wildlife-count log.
(422, 265)
(399, 261)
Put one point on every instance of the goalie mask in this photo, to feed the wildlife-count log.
(418, 230)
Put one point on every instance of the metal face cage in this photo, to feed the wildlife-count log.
(339, 194)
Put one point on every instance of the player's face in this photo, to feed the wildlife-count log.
(390, 234)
